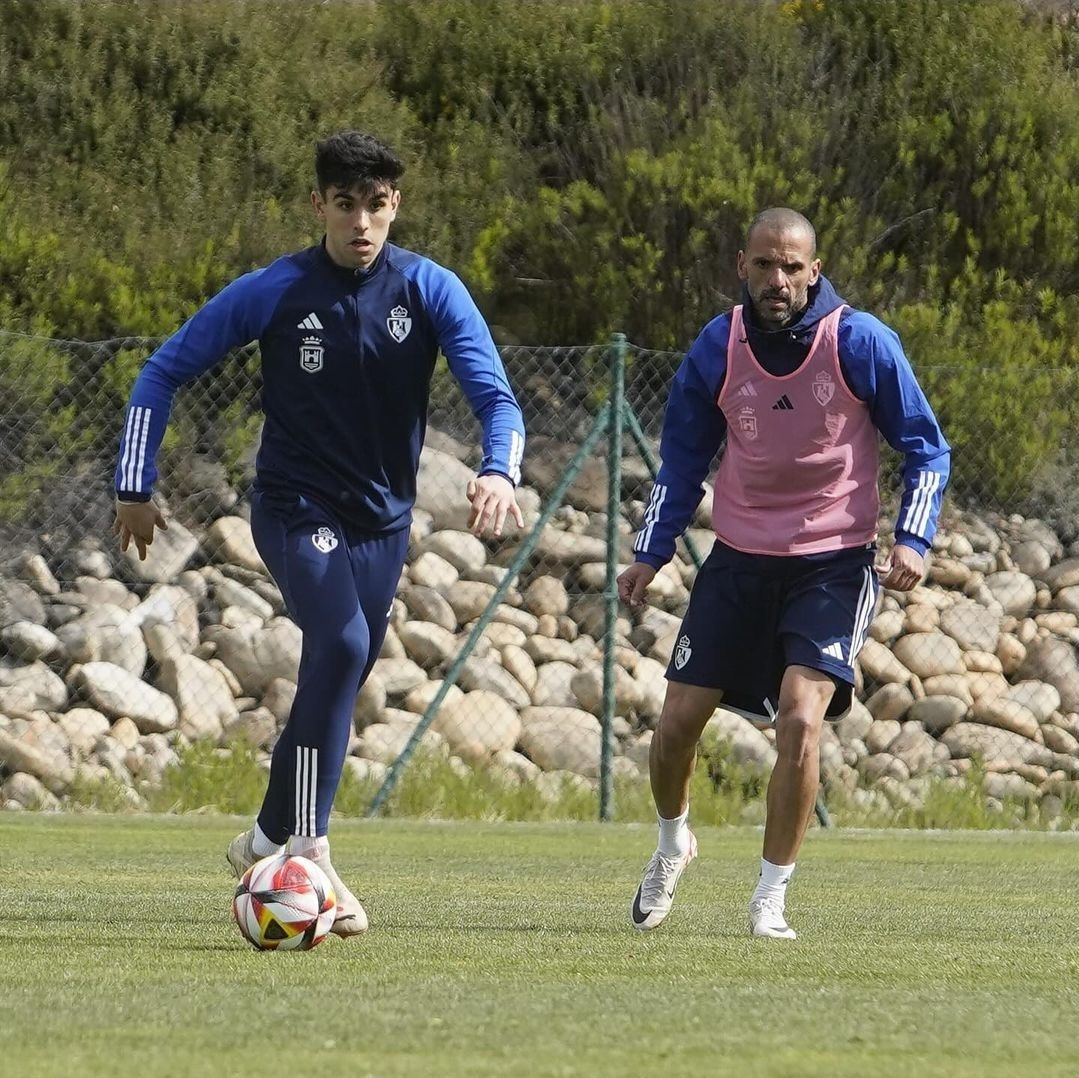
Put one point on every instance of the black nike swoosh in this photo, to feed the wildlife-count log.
(638, 915)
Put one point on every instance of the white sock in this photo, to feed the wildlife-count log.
(309, 846)
(261, 846)
(674, 835)
(773, 881)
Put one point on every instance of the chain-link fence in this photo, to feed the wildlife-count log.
(508, 666)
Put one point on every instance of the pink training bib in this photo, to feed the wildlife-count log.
(799, 475)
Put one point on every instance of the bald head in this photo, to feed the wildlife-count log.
(783, 220)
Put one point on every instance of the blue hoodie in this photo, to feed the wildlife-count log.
(876, 371)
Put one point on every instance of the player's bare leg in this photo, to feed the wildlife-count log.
(686, 711)
(792, 791)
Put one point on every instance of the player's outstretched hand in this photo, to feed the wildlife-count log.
(633, 582)
(903, 569)
(137, 520)
(493, 499)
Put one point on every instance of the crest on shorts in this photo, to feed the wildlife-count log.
(399, 324)
(682, 652)
(324, 540)
(823, 388)
(311, 353)
(747, 423)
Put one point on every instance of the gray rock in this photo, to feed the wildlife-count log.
(881, 735)
(28, 641)
(479, 674)
(440, 488)
(1014, 591)
(890, 702)
(478, 724)
(426, 604)
(938, 713)
(19, 602)
(229, 539)
(968, 739)
(427, 644)
(82, 727)
(587, 686)
(517, 662)
(258, 727)
(26, 753)
(926, 654)
(972, 626)
(29, 792)
(36, 572)
(748, 744)
(419, 699)
(230, 593)
(1008, 785)
(398, 675)
(430, 570)
(278, 698)
(546, 595)
(202, 696)
(106, 633)
(1031, 557)
(461, 549)
(166, 558)
(554, 685)
(47, 689)
(115, 693)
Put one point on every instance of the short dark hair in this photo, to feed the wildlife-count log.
(349, 158)
(783, 219)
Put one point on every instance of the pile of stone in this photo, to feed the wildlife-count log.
(109, 665)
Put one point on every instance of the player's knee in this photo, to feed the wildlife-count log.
(346, 650)
(680, 728)
(797, 736)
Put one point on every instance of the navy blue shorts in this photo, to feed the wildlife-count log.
(751, 616)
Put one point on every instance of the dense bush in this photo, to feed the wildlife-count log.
(587, 165)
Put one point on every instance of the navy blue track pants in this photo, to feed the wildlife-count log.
(338, 587)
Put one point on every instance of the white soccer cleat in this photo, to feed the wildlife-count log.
(240, 854)
(655, 895)
(766, 920)
(351, 919)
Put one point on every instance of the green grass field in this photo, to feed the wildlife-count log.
(504, 949)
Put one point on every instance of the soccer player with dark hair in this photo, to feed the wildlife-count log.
(348, 331)
(802, 386)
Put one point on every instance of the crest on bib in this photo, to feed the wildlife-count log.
(747, 423)
(824, 388)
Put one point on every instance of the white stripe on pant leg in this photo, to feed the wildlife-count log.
(297, 815)
(313, 786)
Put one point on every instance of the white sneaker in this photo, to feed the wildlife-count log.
(239, 854)
(766, 920)
(351, 919)
(655, 895)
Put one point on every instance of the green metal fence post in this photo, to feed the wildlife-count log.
(617, 357)
(515, 566)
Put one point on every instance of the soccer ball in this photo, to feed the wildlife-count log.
(284, 903)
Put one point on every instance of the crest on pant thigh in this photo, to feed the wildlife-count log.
(682, 653)
(324, 540)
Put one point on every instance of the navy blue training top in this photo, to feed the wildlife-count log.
(347, 360)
